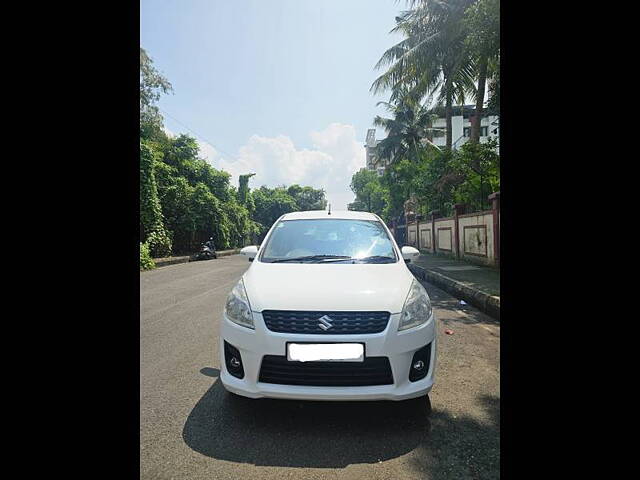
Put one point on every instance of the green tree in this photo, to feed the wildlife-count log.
(433, 56)
(184, 200)
(150, 210)
(242, 229)
(370, 194)
(209, 217)
(408, 131)
(176, 199)
(151, 220)
(482, 21)
(434, 183)
(478, 166)
(152, 85)
(243, 188)
(357, 206)
(271, 204)
(399, 182)
(307, 198)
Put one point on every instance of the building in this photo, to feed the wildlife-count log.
(370, 146)
(461, 126)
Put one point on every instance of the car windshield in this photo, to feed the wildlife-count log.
(328, 241)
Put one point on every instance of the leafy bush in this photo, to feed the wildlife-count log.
(159, 243)
(146, 263)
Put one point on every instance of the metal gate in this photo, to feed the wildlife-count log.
(400, 231)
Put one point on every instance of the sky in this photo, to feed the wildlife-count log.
(279, 88)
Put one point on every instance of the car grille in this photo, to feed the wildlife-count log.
(342, 323)
(372, 371)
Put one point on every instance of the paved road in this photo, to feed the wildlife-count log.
(191, 429)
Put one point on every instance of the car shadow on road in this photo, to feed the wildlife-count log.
(462, 447)
(290, 433)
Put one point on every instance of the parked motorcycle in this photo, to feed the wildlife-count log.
(207, 251)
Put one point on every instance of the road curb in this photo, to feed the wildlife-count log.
(162, 262)
(489, 304)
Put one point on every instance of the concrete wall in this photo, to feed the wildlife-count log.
(412, 235)
(445, 235)
(476, 237)
(473, 237)
(426, 242)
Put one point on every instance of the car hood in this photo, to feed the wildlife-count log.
(327, 286)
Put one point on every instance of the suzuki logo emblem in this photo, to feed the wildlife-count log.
(325, 322)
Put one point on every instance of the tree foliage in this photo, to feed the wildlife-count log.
(432, 58)
(146, 262)
(437, 181)
(307, 198)
(150, 210)
(450, 48)
(151, 220)
(478, 166)
(271, 204)
(243, 189)
(184, 200)
(152, 85)
(409, 129)
(482, 24)
(196, 201)
(370, 194)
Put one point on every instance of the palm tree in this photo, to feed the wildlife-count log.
(483, 25)
(408, 130)
(433, 57)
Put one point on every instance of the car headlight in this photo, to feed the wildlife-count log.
(417, 307)
(237, 308)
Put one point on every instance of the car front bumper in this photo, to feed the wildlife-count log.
(398, 347)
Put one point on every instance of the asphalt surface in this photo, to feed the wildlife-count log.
(191, 428)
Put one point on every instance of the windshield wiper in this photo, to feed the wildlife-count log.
(376, 259)
(337, 258)
(311, 258)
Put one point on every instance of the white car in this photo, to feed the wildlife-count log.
(328, 310)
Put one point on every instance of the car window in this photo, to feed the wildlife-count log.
(354, 239)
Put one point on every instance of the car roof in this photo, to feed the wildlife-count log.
(335, 214)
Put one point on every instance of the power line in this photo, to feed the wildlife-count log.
(195, 133)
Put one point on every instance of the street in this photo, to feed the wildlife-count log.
(190, 428)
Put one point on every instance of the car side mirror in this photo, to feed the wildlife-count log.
(409, 253)
(250, 251)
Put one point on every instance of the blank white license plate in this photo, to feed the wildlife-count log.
(325, 352)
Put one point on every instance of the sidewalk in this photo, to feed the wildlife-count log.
(476, 284)
(161, 262)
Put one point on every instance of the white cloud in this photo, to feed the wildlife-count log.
(207, 151)
(335, 157)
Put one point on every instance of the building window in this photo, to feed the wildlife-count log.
(467, 131)
(437, 132)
